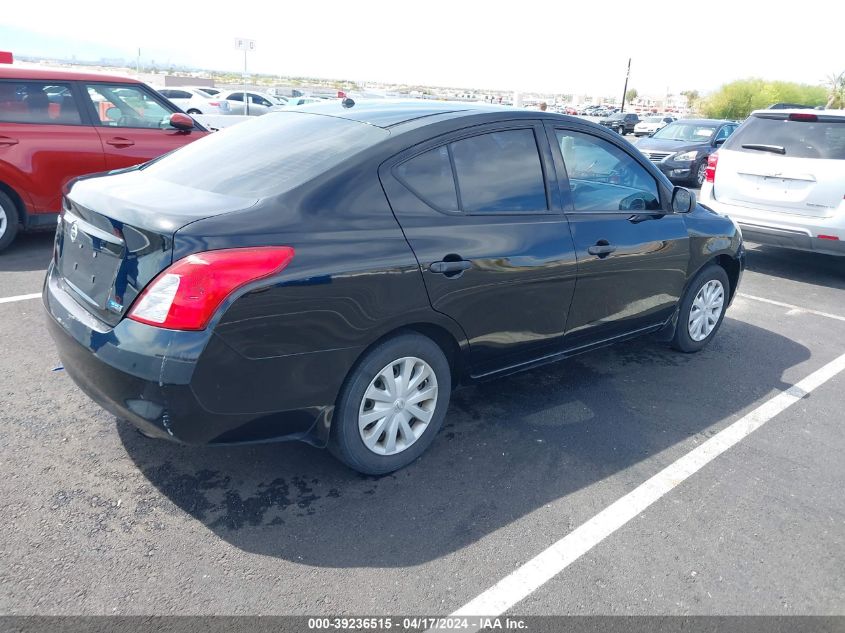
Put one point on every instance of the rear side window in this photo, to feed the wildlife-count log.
(38, 102)
(496, 172)
(797, 139)
(429, 177)
(500, 171)
(267, 155)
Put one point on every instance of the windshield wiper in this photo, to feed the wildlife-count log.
(774, 149)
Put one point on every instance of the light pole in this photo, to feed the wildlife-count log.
(625, 90)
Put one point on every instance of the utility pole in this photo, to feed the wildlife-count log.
(625, 90)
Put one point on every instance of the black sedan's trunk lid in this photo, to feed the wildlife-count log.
(116, 234)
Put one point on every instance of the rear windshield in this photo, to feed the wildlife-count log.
(266, 155)
(799, 139)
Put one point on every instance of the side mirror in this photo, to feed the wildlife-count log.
(181, 121)
(683, 200)
(113, 113)
(719, 141)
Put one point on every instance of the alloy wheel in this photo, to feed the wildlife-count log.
(4, 220)
(397, 406)
(705, 310)
(701, 174)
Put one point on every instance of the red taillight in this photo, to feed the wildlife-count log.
(214, 103)
(803, 116)
(710, 172)
(827, 237)
(186, 294)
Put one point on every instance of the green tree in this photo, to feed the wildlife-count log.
(631, 95)
(736, 100)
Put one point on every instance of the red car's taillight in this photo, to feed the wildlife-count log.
(710, 172)
(186, 294)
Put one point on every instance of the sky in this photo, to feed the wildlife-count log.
(562, 47)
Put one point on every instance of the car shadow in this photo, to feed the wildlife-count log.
(29, 252)
(812, 268)
(508, 447)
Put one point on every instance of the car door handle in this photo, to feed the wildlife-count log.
(119, 141)
(6, 140)
(601, 249)
(450, 268)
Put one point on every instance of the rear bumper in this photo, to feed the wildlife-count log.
(189, 387)
(773, 228)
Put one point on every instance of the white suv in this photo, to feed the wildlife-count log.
(781, 177)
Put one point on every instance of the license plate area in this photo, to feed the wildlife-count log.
(89, 260)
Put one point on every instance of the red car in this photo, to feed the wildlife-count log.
(57, 125)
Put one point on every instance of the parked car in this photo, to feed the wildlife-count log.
(56, 125)
(331, 286)
(258, 102)
(621, 122)
(298, 101)
(680, 150)
(793, 106)
(650, 125)
(194, 101)
(781, 176)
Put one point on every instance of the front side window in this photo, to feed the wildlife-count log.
(259, 100)
(500, 171)
(724, 133)
(125, 105)
(37, 102)
(603, 177)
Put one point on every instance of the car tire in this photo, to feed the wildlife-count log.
(700, 173)
(621, 131)
(194, 111)
(698, 320)
(357, 420)
(9, 221)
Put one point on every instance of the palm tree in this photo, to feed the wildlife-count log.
(836, 90)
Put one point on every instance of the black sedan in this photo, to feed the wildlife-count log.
(330, 274)
(680, 150)
(622, 122)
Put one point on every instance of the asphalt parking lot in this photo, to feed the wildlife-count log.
(100, 520)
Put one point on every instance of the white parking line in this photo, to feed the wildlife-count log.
(543, 567)
(34, 295)
(792, 308)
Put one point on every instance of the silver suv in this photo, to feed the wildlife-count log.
(781, 177)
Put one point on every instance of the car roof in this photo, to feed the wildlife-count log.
(387, 113)
(47, 74)
(787, 111)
